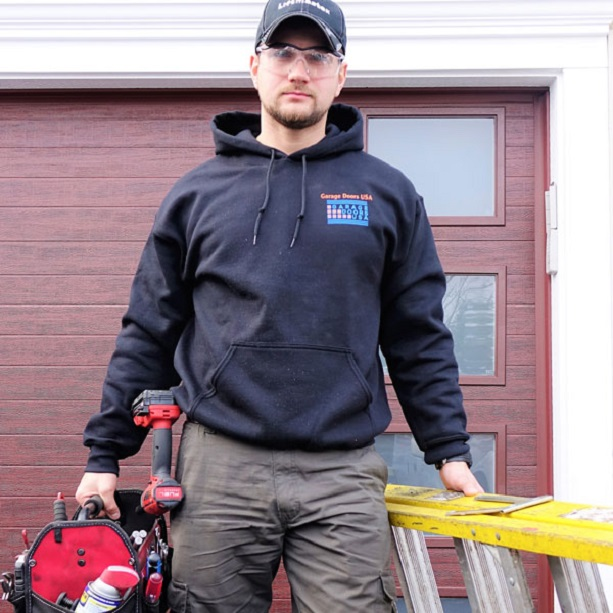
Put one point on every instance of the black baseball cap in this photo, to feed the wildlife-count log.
(325, 13)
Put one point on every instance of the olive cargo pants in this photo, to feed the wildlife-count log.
(246, 508)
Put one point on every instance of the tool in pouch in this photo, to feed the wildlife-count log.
(68, 557)
(108, 591)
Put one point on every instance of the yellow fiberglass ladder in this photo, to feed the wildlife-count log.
(489, 532)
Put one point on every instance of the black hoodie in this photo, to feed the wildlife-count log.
(264, 291)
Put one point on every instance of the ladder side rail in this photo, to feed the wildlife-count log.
(578, 585)
(415, 572)
(494, 577)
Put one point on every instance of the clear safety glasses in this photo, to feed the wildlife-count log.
(317, 61)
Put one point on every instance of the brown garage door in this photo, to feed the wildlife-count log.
(81, 176)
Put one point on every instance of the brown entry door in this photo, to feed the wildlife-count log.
(475, 159)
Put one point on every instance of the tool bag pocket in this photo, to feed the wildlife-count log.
(66, 555)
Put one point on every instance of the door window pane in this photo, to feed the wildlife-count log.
(406, 465)
(469, 308)
(451, 160)
(470, 313)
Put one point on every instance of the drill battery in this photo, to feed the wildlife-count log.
(153, 405)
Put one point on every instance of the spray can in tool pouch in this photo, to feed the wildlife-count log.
(108, 591)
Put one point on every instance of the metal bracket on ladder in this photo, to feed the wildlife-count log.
(578, 586)
(415, 571)
(494, 577)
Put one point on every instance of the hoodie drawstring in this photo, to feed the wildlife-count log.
(302, 202)
(258, 220)
(262, 209)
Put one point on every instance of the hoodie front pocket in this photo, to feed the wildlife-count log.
(290, 395)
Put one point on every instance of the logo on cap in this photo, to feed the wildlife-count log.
(284, 5)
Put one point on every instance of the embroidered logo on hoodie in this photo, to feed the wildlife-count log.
(347, 211)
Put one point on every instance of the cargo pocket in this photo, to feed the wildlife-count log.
(177, 597)
(388, 586)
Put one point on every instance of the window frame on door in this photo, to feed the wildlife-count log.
(500, 335)
(497, 114)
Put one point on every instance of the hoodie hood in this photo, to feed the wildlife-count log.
(235, 132)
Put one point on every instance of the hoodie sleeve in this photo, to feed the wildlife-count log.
(158, 311)
(417, 345)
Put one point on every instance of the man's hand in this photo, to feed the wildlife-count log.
(457, 476)
(103, 485)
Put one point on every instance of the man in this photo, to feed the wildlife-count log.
(272, 276)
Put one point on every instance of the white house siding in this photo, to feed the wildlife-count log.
(564, 45)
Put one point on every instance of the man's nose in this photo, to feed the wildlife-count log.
(299, 70)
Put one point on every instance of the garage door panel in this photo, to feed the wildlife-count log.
(521, 450)
(100, 162)
(521, 350)
(54, 418)
(35, 290)
(56, 350)
(517, 256)
(519, 227)
(520, 130)
(86, 192)
(520, 319)
(450, 574)
(520, 384)
(55, 258)
(67, 451)
(519, 191)
(81, 175)
(85, 133)
(61, 320)
(519, 480)
(124, 223)
(61, 479)
(51, 382)
(31, 513)
(126, 105)
(519, 162)
(520, 289)
(518, 416)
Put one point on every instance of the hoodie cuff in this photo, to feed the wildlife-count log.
(102, 460)
(448, 450)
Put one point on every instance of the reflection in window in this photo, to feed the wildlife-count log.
(451, 160)
(406, 465)
(470, 313)
(469, 309)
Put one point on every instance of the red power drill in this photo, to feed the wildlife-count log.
(157, 408)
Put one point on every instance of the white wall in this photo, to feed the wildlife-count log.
(562, 44)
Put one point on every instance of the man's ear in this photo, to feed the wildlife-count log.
(254, 64)
(342, 77)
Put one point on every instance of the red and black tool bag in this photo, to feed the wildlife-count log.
(67, 555)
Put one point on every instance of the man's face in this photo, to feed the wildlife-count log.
(296, 99)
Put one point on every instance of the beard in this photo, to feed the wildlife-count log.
(294, 120)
